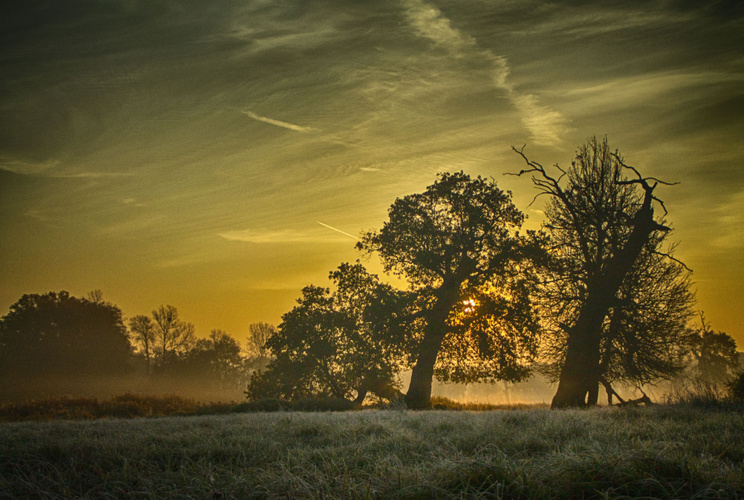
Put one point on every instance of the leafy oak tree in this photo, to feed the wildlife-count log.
(58, 335)
(330, 344)
(617, 301)
(716, 360)
(457, 244)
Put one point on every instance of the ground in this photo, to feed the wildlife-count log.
(661, 452)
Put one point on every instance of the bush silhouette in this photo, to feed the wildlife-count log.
(736, 387)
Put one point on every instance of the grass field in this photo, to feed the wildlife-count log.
(659, 452)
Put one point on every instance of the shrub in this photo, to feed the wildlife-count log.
(323, 404)
(736, 387)
(265, 404)
(698, 394)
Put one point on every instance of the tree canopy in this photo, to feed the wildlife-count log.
(329, 344)
(56, 334)
(616, 300)
(456, 244)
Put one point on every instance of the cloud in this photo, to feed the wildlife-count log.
(253, 236)
(92, 175)
(546, 126)
(132, 202)
(29, 168)
(278, 123)
(730, 218)
(285, 236)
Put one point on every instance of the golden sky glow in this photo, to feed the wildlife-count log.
(218, 156)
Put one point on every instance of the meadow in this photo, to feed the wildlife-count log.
(662, 451)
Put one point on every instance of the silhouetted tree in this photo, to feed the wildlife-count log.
(453, 242)
(715, 354)
(172, 335)
(227, 361)
(57, 335)
(215, 361)
(644, 337)
(142, 331)
(617, 303)
(256, 343)
(325, 346)
(95, 296)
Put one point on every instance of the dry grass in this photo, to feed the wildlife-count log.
(659, 452)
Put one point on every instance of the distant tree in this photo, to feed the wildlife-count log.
(142, 331)
(172, 335)
(95, 296)
(58, 335)
(227, 362)
(256, 343)
(456, 240)
(214, 361)
(616, 300)
(327, 346)
(715, 354)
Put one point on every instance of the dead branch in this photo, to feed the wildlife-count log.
(671, 257)
(610, 391)
(643, 400)
(640, 177)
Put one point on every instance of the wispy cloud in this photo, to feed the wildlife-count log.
(253, 236)
(284, 236)
(28, 168)
(730, 218)
(92, 175)
(278, 123)
(546, 126)
(132, 202)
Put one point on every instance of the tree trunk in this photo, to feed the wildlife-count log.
(581, 372)
(360, 397)
(418, 396)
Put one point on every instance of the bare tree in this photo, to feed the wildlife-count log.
(258, 335)
(142, 331)
(172, 335)
(603, 232)
(95, 296)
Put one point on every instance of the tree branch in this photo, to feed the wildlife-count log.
(671, 257)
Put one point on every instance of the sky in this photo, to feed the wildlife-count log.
(219, 156)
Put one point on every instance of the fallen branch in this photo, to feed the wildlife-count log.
(643, 400)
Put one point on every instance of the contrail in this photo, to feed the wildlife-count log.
(278, 123)
(337, 230)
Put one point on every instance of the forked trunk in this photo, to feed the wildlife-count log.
(580, 375)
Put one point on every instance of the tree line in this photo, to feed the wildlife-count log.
(59, 340)
(594, 298)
